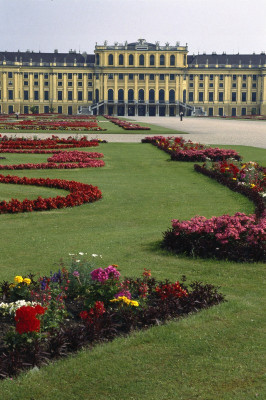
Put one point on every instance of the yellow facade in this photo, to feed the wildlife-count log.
(133, 79)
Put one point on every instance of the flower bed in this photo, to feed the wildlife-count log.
(182, 150)
(79, 193)
(239, 237)
(50, 143)
(128, 126)
(50, 316)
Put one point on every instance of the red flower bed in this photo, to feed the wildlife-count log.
(129, 126)
(182, 150)
(79, 193)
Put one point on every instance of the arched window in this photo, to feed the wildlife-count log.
(97, 95)
(141, 95)
(110, 95)
(130, 95)
(184, 95)
(161, 96)
(97, 59)
(162, 59)
(141, 59)
(130, 59)
(120, 95)
(151, 96)
(121, 59)
(152, 59)
(110, 59)
(171, 96)
(172, 60)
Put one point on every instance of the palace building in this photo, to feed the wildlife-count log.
(131, 79)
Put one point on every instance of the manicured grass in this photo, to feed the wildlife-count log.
(215, 354)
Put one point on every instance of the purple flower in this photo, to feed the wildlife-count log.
(125, 293)
(76, 274)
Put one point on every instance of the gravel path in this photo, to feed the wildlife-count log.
(203, 130)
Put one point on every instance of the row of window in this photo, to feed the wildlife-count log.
(59, 75)
(140, 59)
(221, 96)
(221, 77)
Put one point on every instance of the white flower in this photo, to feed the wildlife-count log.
(71, 254)
(77, 260)
(94, 255)
(82, 254)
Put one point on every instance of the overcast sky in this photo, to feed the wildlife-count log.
(205, 25)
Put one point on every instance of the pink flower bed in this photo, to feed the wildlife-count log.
(129, 126)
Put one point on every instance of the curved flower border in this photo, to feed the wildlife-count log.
(79, 193)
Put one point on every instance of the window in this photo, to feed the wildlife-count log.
(221, 112)
(210, 112)
(151, 59)
(221, 96)
(210, 96)
(110, 76)
(10, 109)
(201, 77)
(161, 77)
(46, 95)
(80, 84)
(89, 76)
(200, 96)
(26, 83)
(244, 77)
(161, 96)
(191, 77)
(234, 85)
(120, 95)
(141, 59)
(172, 77)
(46, 83)
(141, 77)
(60, 83)
(211, 84)
(36, 75)
(46, 76)
(36, 83)
(25, 75)
(211, 77)
(97, 59)
(151, 77)
(221, 77)
(243, 111)
(69, 84)
(10, 74)
(26, 109)
(59, 77)
(190, 96)
(80, 95)
(131, 95)
(120, 76)
(151, 96)
(254, 96)
(244, 96)
(130, 59)
(130, 77)
(36, 95)
(254, 85)
(162, 59)
(79, 76)
(89, 96)
(191, 84)
(254, 77)
(201, 85)
(69, 76)
(234, 77)
(221, 85)
(10, 94)
(69, 95)
(110, 59)
(141, 95)
(59, 109)
(96, 76)
(10, 83)
(121, 59)
(171, 96)
(233, 96)
(59, 95)
(244, 85)
(26, 95)
(89, 83)
(46, 109)
(233, 112)
(172, 60)
(110, 95)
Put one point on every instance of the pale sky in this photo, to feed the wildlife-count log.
(229, 26)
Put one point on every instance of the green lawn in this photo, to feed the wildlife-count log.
(216, 354)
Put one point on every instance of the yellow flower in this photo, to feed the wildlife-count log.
(234, 179)
(18, 279)
(27, 281)
(134, 303)
(12, 285)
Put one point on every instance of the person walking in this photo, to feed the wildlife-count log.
(181, 116)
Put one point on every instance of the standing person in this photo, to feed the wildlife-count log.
(181, 116)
